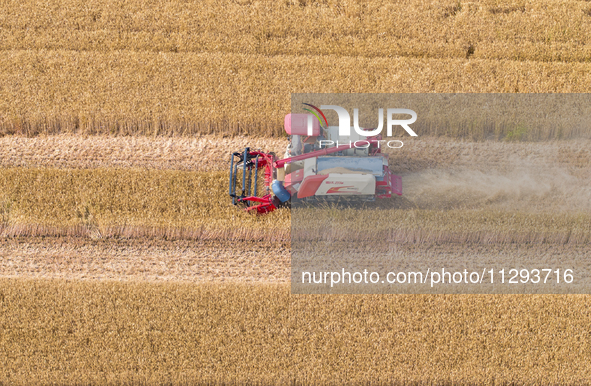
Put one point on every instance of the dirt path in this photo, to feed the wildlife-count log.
(144, 260)
(209, 153)
(204, 153)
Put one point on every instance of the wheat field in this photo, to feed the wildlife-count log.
(229, 67)
(122, 261)
(350, 28)
(106, 332)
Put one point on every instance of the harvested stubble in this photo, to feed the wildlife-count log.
(77, 258)
(247, 262)
(417, 226)
(203, 153)
(211, 153)
(153, 333)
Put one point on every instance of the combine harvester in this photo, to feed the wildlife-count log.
(315, 167)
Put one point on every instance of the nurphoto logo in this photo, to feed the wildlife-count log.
(345, 124)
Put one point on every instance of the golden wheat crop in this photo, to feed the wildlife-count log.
(489, 29)
(129, 203)
(73, 332)
(229, 67)
(204, 93)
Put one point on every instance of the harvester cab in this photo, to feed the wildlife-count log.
(318, 164)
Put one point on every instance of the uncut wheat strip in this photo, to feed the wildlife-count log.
(125, 328)
(136, 201)
(59, 94)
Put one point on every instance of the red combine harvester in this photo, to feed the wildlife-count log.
(315, 166)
